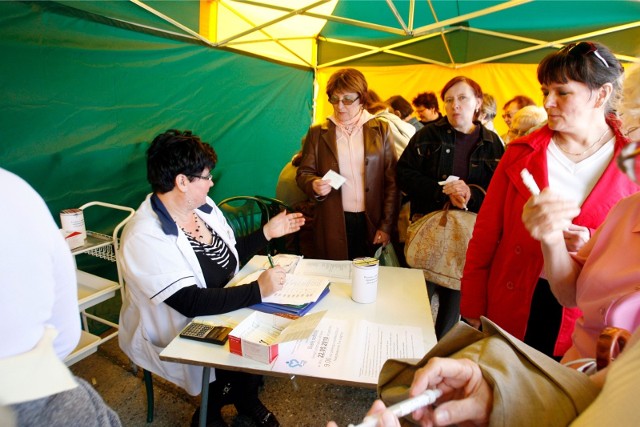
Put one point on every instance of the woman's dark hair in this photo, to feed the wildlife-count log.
(349, 80)
(427, 100)
(177, 152)
(475, 87)
(401, 105)
(520, 100)
(590, 63)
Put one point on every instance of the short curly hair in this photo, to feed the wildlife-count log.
(177, 152)
(427, 100)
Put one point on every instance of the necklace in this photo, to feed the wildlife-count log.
(198, 235)
(588, 148)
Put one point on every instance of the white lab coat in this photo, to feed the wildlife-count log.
(157, 261)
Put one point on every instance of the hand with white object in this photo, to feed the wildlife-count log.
(467, 398)
(547, 215)
(459, 193)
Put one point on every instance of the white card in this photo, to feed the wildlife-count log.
(335, 179)
(449, 179)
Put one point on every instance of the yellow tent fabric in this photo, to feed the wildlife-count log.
(503, 81)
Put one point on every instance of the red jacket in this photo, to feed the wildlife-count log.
(503, 261)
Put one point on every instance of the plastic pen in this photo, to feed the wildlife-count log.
(403, 408)
(270, 261)
(529, 182)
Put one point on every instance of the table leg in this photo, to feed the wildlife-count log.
(204, 400)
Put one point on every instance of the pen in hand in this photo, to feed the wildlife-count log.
(405, 407)
(270, 260)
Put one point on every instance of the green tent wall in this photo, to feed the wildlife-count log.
(81, 100)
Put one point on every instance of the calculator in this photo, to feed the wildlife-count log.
(206, 333)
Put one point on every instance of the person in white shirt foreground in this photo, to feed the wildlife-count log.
(40, 325)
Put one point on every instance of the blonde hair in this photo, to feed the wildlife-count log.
(629, 106)
(529, 117)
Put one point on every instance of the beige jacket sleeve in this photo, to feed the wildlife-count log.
(529, 388)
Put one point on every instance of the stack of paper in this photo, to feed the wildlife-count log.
(298, 295)
(307, 283)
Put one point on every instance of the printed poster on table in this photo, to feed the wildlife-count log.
(335, 350)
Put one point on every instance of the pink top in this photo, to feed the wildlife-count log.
(351, 162)
(610, 269)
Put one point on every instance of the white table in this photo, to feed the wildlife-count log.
(402, 300)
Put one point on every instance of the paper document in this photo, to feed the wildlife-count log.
(301, 328)
(286, 261)
(335, 179)
(298, 290)
(326, 353)
(340, 270)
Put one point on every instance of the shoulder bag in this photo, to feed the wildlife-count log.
(437, 243)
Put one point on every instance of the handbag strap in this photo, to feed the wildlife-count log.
(478, 187)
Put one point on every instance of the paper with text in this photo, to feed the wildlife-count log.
(357, 353)
(340, 270)
(298, 290)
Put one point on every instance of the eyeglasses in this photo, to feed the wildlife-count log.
(334, 100)
(207, 177)
(584, 49)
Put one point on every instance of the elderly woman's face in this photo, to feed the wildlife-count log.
(569, 105)
(346, 105)
(461, 104)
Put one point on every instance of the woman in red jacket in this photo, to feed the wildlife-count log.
(574, 154)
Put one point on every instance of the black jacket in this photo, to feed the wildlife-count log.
(429, 158)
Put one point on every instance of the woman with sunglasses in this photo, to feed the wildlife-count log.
(178, 253)
(574, 155)
(350, 220)
(507, 383)
(605, 270)
(459, 145)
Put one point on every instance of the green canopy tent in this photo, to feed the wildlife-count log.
(87, 84)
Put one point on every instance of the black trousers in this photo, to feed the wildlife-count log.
(358, 244)
(448, 308)
(544, 320)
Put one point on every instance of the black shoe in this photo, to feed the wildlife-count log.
(258, 413)
(213, 419)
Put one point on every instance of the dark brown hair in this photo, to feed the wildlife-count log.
(520, 100)
(590, 63)
(477, 90)
(427, 100)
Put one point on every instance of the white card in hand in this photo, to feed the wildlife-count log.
(335, 179)
(449, 179)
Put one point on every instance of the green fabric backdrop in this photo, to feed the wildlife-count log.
(82, 100)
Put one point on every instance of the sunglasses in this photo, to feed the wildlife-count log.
(334, 100)
(584, 49)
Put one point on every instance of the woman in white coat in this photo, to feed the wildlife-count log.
(178, 253)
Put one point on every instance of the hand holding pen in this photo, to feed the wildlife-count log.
(272, 279)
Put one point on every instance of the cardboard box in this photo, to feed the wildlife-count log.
(257, 337)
